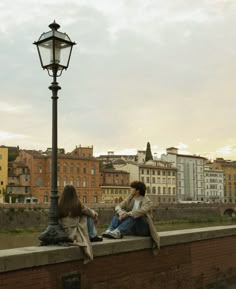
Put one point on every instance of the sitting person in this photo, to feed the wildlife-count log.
(78, 221)
(133, 216)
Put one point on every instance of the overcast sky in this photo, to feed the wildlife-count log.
(162, 71)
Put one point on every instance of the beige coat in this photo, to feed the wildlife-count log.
(77, 230)
(144, 210)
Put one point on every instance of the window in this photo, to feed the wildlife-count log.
(72, 181)
(78, 169)
(45, 199)
(84, 170)
(40, 170)
(78, 182)
(95, 199)
(71, 169)
(85, 198)
(64, 168)
(58, 181)
(39, 182)
(154, 190)
(92, 171)
(84, 182)
(64, 181)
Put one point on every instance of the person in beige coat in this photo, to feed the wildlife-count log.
(133, 216)
(78, 221)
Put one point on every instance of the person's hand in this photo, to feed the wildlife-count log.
(129, 214)
(122, 215)
(95, 218)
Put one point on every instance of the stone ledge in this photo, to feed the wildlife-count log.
(28, 257)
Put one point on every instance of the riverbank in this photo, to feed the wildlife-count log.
(19, 237)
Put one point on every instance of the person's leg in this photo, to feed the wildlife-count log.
(115, 222)
(127, 226)
(92, 231)
(131, 226)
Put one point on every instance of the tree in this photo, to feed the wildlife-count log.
(148, 155)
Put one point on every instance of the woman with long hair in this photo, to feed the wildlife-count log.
(78, 221)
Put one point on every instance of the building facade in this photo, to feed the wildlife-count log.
(229, 169)
(80, 171)
(18, 187)
(190, 175)
(160, 179)
(3, 171)
(115, 185)
(214, 185)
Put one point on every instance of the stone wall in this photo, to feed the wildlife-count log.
(188, 259)
(35, 217)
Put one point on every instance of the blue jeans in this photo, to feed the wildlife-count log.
(92, 231)
(130, 226)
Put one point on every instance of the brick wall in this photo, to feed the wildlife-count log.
(191, 265)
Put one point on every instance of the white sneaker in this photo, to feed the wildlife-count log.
(115, 234)
(106, 234)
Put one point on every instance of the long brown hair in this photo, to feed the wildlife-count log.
(69, 204)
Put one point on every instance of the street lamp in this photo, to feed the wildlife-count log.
(54, 49)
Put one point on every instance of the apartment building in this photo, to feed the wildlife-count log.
(214, 185)
(81, 171)
(3, 171)
(229, 169)
(160, 179)
(190, 174)
(114, 184)
(18, 187)
(129, 166)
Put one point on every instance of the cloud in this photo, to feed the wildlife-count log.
(158, 71)
(4, 136)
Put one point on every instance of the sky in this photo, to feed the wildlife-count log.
(158, 71)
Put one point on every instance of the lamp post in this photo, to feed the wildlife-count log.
(54, 49)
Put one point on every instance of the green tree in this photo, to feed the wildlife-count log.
(148, 155)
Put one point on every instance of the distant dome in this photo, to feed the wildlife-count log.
(119, 162)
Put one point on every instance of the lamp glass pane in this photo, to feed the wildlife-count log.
(45, 50)
(62, 52)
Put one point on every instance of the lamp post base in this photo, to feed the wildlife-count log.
(53, 235)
